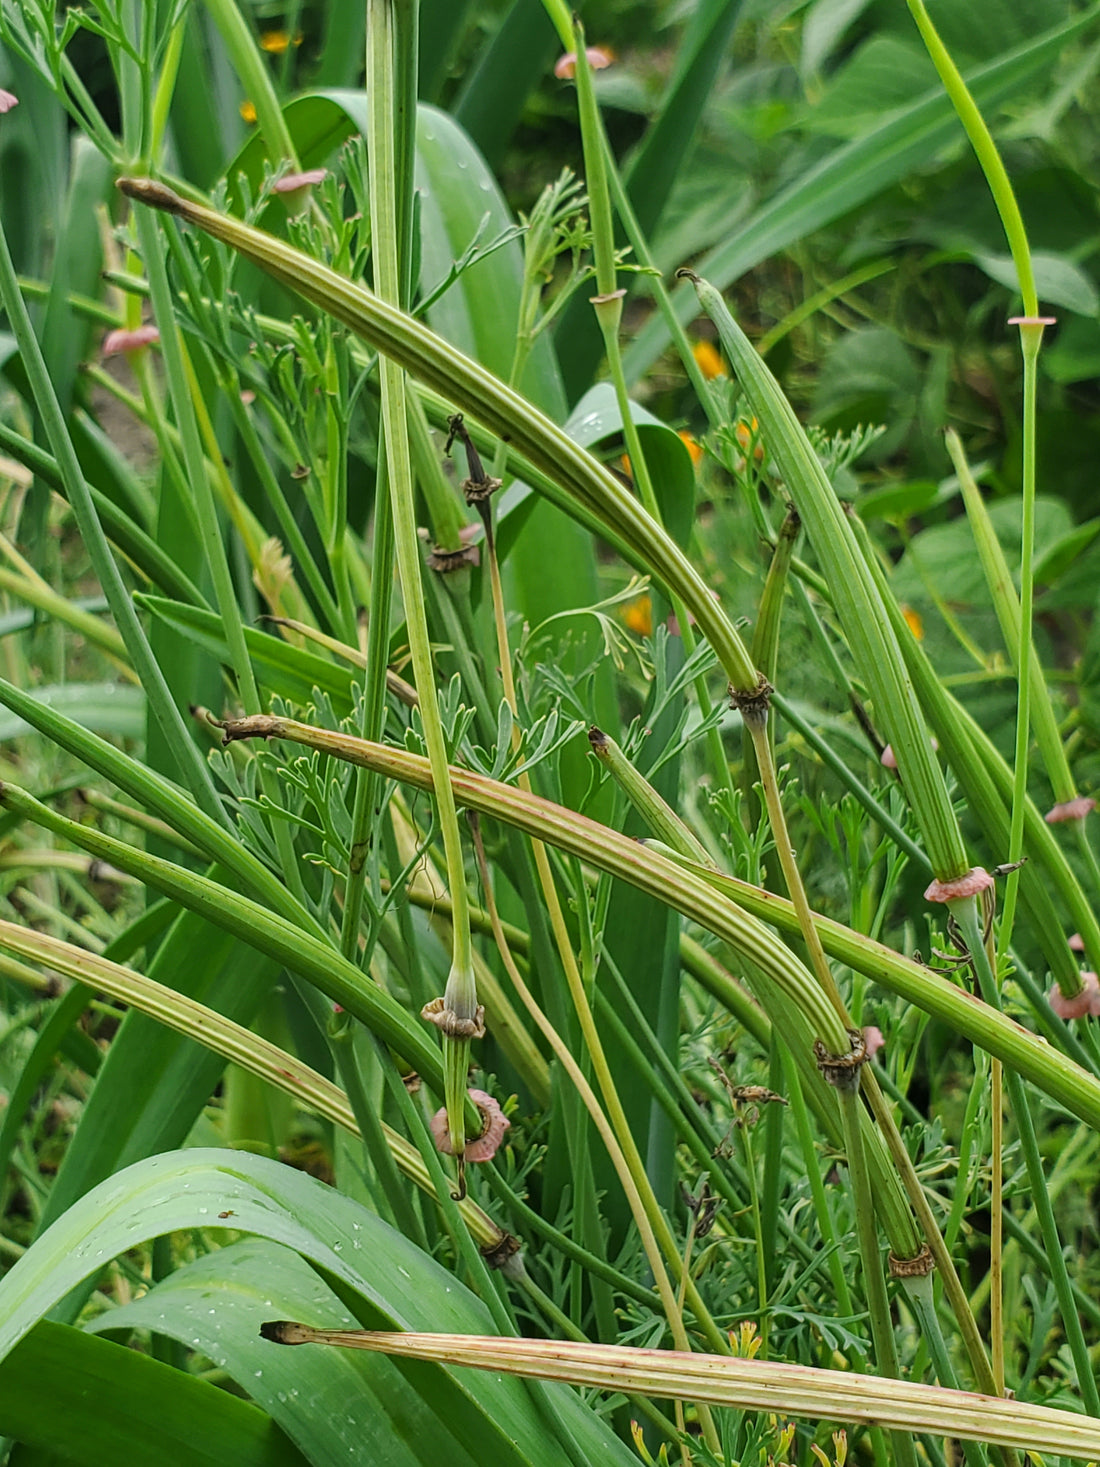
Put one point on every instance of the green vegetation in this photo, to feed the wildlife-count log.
(549, 695)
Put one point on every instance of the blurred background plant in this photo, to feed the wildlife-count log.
(214, 959)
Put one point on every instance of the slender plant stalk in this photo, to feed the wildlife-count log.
(608, 305)
(846, 1082)
(460, 996)
(996, 1232)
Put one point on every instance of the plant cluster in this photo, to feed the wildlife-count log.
(517, 853)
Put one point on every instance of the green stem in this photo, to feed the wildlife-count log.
(460, 997)
(1031, 336)
(921, 1296)
(248, 62)
(878, 1304)
(745, 1128)
(981, 140)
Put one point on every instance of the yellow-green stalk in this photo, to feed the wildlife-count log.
(457, 1014)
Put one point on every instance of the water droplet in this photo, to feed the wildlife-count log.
(258, 1374)
(203, 1211)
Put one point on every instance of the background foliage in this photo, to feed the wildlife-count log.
(213, 959)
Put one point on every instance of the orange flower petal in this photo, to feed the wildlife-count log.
(638, 616)
(709, 359)
(692, 445)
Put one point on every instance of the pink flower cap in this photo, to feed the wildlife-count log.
(969, 884)
(874, 1039)
(1085, 1002)
(291, 182)
(483, 1147)
(1077, 943)
(8, 100)
(247, 396)
(598, 59)
(123, 340)
(1070, 810)
(1033, 320)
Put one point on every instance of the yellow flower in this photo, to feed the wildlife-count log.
(709, 359)
(746, 435)
(913, 622)
(693, 447)
(248, 111)
(638, 616)
(276, 42)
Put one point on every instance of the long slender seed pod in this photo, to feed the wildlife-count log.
(468, 385)
(855, 595)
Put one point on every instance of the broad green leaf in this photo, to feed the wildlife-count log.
(886, 72)
(1059, 281)
(943, 555)
(110, 708)
(95, 1404)
(396, 1283)
(898, 501)
(1052, 565)
(66, 335)
(824, 27)
(318, 122)
(1074, 356)
(336, 1411)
